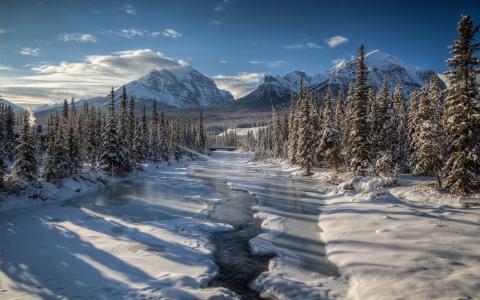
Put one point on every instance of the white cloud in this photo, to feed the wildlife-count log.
(223, 61)
(92, 76)
(335, 41)
(130, 10)
(2, 31)
(131, 32)
(7, 69)
(307, 45)
(239, 85)
(30, 51)
(78, 37)
(220, 7)
(171, 33)
(268, 64)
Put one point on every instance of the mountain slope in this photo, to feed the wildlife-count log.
(179, 87)
(278, 90)
(18, 110)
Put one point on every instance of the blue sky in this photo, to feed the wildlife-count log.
(55, 49)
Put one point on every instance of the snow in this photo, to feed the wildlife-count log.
(180, 86)
(242, 131)
(333, 236)
(150, 245)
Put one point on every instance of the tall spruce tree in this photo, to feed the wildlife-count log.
(462, 115)
(26, 164)
(113, 157)
(360, 163)
(305, 151)
(329, 145)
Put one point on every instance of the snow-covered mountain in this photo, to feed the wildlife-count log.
(277, 90)
(178, 87)
(18, 110)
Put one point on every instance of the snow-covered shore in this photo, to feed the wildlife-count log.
(55, 249)
(409, 241)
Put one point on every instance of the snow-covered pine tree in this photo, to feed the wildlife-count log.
(387, 165)
(26, 165)
(113, 157)
(139, 144)
(413, 100)
(201, 134)
(9, 135)
(401, 148)
(305, 136)
(3, 166)
(429, 141)
(73, 153)
(329, 146)
(378, 119)
(462, 115)
(163, 139)
(293, 130)
(131, 123)
(56, 163)
(340, 119)
(349, 117)
(123, 122)
(92, 141)
(154, 136)
(360, 163)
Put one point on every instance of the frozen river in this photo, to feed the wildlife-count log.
(104, 238)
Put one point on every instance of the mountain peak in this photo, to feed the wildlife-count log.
(380, 59)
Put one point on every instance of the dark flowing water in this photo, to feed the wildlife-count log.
(238, 266)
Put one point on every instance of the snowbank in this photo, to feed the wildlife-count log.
(407, 242)
(66, 250)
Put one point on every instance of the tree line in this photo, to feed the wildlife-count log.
(79, 140)
(431, 132)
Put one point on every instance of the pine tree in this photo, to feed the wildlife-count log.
(113, 157)
(359, 137)
(73, 153)
(293, 131)
(26, 165)
(9, 135)
(163, 139)
(388, 163)
(201, 134)
(412, 127)
(462, 115)
(305, 132)
(329, 145)
(56, 163)
(349, 117)
(131, 123)
(154, 135)
(3, 166)
(123, 122)
(401, 147)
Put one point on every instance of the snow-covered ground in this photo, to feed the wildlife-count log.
(405, 242)
(148, 237)
(143, 237)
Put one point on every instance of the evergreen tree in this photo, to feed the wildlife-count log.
(3, 166)
(113, 157)
(154, 135)
(360, 163)
(26, 165)
(329, 145)
(293, 131)
(462, 115)
(131, 123)
(123, 122)
(73, 153)
(201, 134)
(56, 163)
(348, 124)
(305, 132)
(401, 147)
